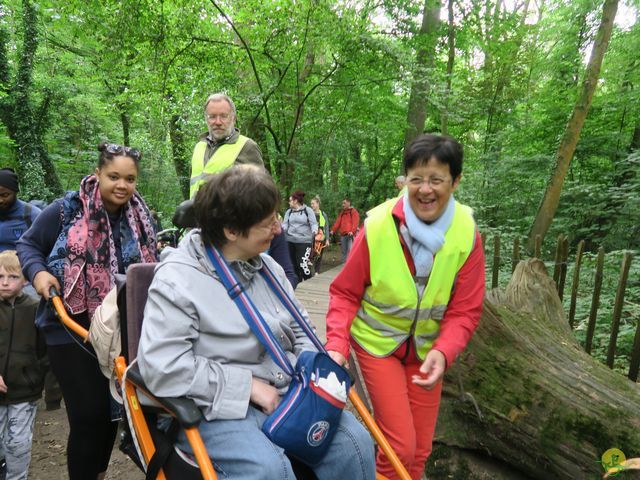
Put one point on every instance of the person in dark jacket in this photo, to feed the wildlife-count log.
(22, 367)
(279, 251)
(16, 216)
(78, 244)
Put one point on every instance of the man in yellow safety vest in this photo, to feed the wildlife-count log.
(222, 146)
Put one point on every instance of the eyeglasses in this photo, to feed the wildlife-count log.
(222, 116)
(115, 149)
(433, 182)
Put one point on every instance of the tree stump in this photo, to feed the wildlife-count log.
(525, 394)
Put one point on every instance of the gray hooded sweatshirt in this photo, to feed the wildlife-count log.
(300, 226)
(196, 343)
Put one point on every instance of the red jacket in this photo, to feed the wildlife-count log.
(459, 322)
(347, 222)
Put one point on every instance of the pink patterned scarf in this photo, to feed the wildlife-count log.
(90, 264)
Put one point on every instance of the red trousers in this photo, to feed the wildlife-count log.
(405, 413)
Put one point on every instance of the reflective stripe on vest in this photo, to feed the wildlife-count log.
(390, 310)
(221, 159)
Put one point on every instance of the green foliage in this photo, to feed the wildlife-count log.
(323, 87)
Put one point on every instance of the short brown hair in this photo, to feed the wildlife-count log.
(238, 199)
(9, 261)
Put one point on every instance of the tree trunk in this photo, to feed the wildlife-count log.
(451, 43)
(551, 198)
(417, 110)
(20, 116)
(181, 159)
(525, 393)
(298, 103)
(635, 139)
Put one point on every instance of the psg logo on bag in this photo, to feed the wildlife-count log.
(317, 433)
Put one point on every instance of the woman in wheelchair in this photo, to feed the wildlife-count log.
(78, 244)
(196, 343)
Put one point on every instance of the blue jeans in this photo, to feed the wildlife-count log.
(239, 450)
(346, 241)
(16, 433)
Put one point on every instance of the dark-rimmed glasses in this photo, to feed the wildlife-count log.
(115, 149)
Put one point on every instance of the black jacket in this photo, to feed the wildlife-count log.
(23, 362)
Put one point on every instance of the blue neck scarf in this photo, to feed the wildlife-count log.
(427, 238)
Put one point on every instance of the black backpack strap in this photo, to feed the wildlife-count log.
(27, 214)
(164, 447)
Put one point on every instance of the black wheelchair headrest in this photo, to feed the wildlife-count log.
(184, 216)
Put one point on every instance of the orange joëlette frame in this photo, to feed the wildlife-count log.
(140, 424)
(193, 435)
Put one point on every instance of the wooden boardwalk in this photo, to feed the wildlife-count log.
(314, 295)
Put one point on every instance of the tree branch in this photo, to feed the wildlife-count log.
(248, 50)
(311, 90)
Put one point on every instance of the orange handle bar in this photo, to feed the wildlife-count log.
(378, 435)
(69, 322)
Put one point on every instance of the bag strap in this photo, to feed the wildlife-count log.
(164, 448)
(289, 304)
(249, 311)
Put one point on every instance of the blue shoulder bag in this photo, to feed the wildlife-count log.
(308, 415)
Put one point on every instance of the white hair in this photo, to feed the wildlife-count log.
(217, 97)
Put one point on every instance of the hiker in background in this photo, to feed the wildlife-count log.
(300, 228)
(222, 145)
(16, 216)
(346, 226)
(321, 240)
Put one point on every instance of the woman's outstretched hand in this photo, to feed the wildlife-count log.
(431, 370)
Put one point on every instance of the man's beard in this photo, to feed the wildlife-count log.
(217, 136)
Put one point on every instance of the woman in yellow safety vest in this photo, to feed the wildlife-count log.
(322, 239)
(410, 297)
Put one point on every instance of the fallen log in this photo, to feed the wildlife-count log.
(526, 398)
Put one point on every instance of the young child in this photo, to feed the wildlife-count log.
(22, 367)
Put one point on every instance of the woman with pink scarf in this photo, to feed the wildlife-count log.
(78, 244)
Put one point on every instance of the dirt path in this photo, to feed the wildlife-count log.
(48, 457)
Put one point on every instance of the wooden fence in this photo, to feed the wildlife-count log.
(560, 263)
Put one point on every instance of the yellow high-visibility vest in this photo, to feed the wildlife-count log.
(222, 159)
(391, 310)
